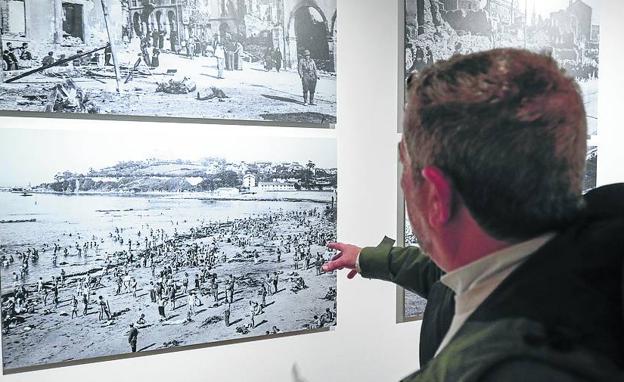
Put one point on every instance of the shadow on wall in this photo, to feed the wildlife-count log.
(296, 376)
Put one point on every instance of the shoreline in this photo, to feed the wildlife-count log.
(191, 195)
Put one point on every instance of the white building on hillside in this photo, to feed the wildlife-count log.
(275, 186)
(249, 181)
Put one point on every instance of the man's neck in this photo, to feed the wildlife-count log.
(464, 242)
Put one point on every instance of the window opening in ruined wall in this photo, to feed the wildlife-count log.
(73, 20)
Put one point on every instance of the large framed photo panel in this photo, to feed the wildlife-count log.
(434, 30)
(161, 241)
(262, 61)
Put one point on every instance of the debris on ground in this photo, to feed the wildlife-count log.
(242, 329)
(69, 98)
(184, 86)
(210, 321)
(35, 97)
(171, 344)
(71, 41)
(63, 72)
(303, 117)
(214, 93)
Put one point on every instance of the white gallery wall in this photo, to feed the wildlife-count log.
(367, 344)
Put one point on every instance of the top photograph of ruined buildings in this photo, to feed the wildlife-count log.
(239, 60)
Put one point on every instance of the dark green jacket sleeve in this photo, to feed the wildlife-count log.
(407, 267)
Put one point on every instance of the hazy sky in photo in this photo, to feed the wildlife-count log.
(34, 156)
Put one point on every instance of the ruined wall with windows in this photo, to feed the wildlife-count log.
(62, 22)
(13, 17)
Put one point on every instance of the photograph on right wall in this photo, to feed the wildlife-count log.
(568, 30)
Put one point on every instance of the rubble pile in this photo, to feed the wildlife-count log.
(214, 93)
(183, 86)
(69, 98)
(63, 72)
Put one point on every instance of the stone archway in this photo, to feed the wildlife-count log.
(136, 24)
(159, 20)
(173, 25)
(309, 29)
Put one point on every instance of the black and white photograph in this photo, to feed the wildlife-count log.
(267, 61)
(160, 241)
(414, 305)
(568, 30)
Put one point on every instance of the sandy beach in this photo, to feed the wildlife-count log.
(251, 251)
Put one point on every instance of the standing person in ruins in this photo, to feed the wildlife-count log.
(277, 59)
(309, 76)
(219, 54)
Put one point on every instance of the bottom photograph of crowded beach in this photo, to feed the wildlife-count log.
(116, 241)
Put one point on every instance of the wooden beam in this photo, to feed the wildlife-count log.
(112, 46)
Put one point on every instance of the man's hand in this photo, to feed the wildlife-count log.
(345, 258)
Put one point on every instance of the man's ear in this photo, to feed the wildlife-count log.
(439, 196)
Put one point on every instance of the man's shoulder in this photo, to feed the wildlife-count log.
(510, 350)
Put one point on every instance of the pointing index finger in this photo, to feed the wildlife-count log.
(336, 246)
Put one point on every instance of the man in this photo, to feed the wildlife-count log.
(11, 53)
(185, 282)
(277, 59)
(238, 55)
(85, 303)
(309, 76)
(161, 308)
(9, 63)
(74, 303)
(253, 311)
(219, 54)
(152, 292)
(268, 59)
(226, 315)
(146, 58)
(230, 289)
(24, 52)
(104, 309)
(134, 285)
(132, 337)
(108, 55)
(275, 282)
(190, 306)
(172, 296)
(155, 37)
(229, 48)
(493, 155)
(214, 288)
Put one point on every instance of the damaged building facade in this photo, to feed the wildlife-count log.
(52, 24)
(311, 25)
(291, 25)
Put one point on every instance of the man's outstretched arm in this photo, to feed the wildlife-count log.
(407, 267)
